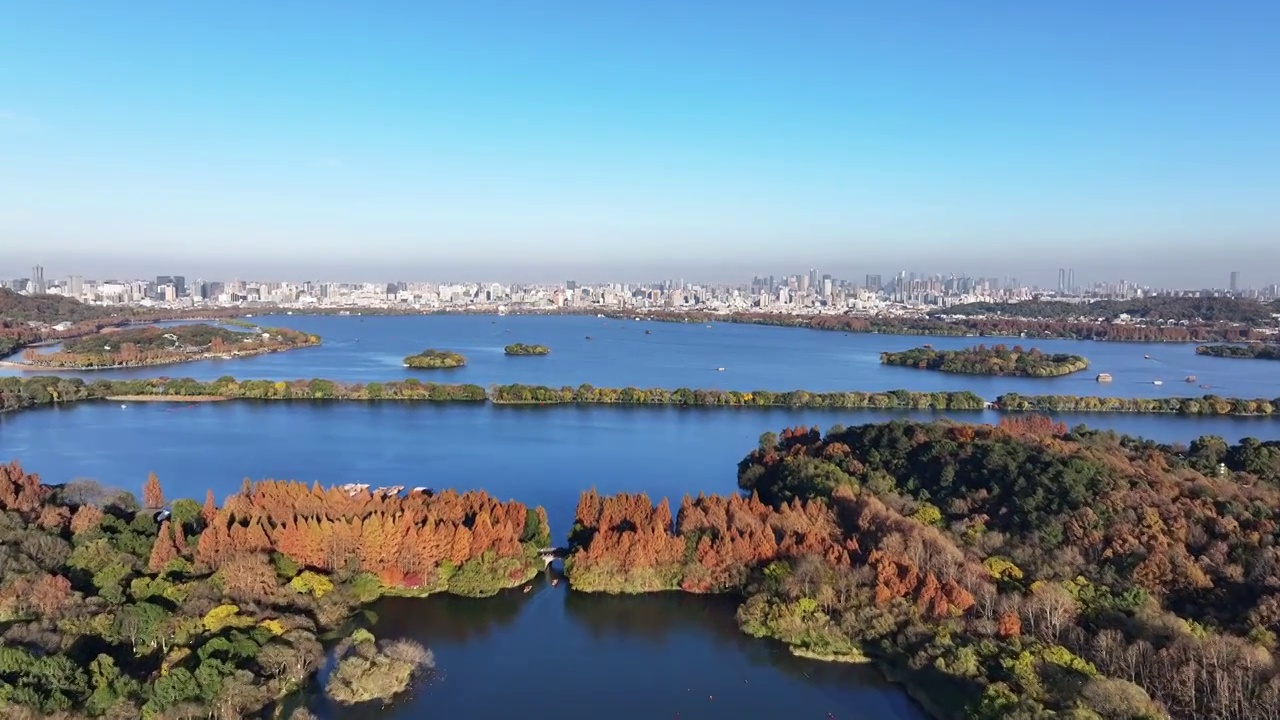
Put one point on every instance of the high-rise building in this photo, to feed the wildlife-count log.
(1071, 280)
(37, 280)
(874, 283)
(1235, 281)
(75, 286)
(1062, 279)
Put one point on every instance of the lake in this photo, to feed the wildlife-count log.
(647, 657)
(620, 353)
(551, 652)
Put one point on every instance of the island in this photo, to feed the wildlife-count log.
(430, 359)
(115, 608)
(1252, 351)
(147, 346)
(522, 349)
(998, 360)
(1026, 592)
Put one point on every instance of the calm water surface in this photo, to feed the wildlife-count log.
(619, 353)
(550, 652)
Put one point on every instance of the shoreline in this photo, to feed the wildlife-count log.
(168, 398)
(32, 367)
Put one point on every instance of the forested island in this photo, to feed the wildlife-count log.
(109, 609)
(523, 349)
(1019, 571)
(147, 346)
(430, 359)
(997, 360)
(1252, 351)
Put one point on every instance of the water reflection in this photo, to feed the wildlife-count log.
(551, 652)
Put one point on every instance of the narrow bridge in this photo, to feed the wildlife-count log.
(553, 553)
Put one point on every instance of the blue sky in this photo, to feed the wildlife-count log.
(992, 137)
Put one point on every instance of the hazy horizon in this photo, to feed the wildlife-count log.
(1169, 274)
(532, 142)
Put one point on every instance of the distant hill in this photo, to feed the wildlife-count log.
(50, 308)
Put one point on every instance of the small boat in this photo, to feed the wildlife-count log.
(1146, 357)
(648, 332)
(123, 406)
(1157, 382)
(720, 369)
(926, 346)
(1103, 377)
(588, 337)
(1206, 387)
(1191, 378)
(527, 588)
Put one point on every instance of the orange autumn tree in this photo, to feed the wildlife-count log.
(152, 494)
(626, 544)
(164, 549)
(467, 543)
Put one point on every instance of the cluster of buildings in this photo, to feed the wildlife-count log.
(801, 293)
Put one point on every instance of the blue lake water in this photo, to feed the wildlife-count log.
(620, 353)
(633, 658)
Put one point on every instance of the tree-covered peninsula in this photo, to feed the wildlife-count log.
(1019, 571)
(430, 359)
(523, 349)
(111, 610)
(30, 319)
(145, 346)
(998, 360)
(1252, 351)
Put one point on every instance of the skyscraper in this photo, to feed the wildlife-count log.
(1235, 281)
(1071, 280)
(75, 286)
(1062, 279)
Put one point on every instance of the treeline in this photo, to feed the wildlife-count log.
(17, 393)
(995, 360)
(624, 544)
(467, 544)
(1206, 405)
(958, 325)
(1197, 310)
(147, 346)
(587, 394)
(1252, 351)
(111, 610)
(1098, 564)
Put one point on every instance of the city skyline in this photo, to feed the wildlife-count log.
(1062, 278)
(590, 140)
